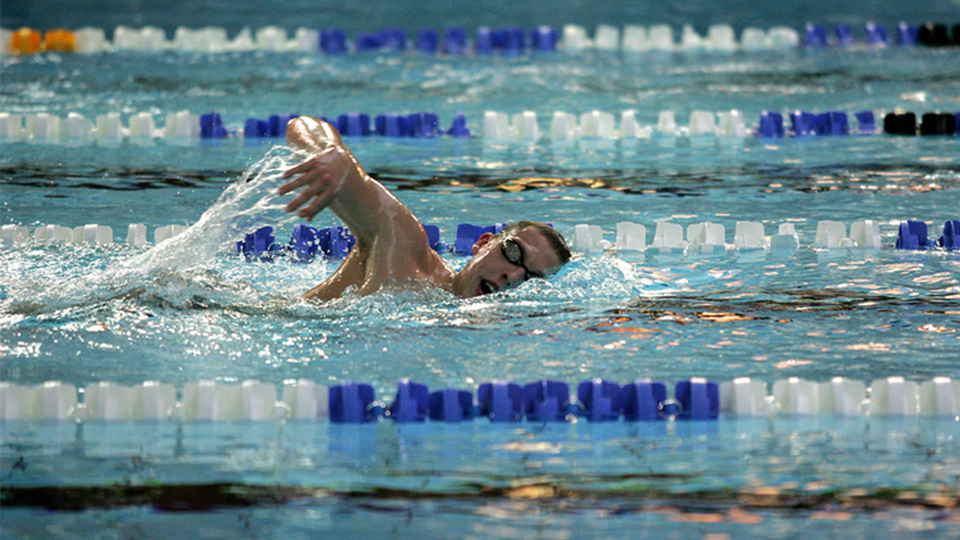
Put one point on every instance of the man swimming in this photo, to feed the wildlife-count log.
(392, 245)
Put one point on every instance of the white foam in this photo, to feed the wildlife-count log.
(177, 269)
(249, 203)
(690, 39)
(630, 128)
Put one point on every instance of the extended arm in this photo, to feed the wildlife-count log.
(332, 177)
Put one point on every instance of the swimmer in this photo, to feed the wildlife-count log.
(392, 246)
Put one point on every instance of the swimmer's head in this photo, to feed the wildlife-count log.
(551, 235)
(520, 251)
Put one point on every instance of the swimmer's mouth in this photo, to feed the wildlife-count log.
(486, 287)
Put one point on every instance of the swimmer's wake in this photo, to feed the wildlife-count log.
(177, 270)
(250, 202)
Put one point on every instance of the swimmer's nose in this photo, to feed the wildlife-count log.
(513, 278)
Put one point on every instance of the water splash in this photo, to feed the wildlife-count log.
(249, 203)
(177, 271)
(187, 271)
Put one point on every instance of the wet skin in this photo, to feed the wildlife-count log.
(392, 247)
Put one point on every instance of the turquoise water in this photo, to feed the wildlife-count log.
(193, 310)
(809, 313)
(747, 478)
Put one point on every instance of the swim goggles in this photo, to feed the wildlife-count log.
(513, 253)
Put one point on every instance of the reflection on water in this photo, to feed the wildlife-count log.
(859, 314)
(788, 463)
(190, 309)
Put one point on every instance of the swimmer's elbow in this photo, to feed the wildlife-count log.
(309, 133)
(295, 132)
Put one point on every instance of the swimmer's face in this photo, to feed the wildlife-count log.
(501, 263)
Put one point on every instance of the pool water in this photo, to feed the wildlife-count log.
(192, 309)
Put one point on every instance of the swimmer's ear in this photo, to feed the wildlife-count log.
(481, 241)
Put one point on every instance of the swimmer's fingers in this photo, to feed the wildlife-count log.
(297, 169)
(312, 170)
(308, 171)
(313, 189)
(319, 202)
(319, 178)
(296, 183)
(298, 201)
(321, 187)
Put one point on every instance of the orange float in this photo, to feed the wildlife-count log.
(61, 40)
(26, 41)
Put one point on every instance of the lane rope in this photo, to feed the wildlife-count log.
(485, 40)
(185, 127)
(595, 400)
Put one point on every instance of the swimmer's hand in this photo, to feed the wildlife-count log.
(321, 178)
